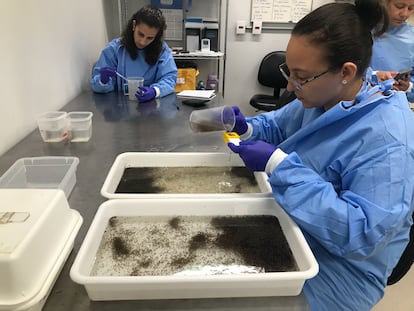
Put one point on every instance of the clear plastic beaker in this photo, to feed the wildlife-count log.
(132, 85)
(53, 126)
(213, 119)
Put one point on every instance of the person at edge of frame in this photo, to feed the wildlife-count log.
(340, 157)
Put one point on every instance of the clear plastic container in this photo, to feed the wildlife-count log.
(212, 83)
(212, 119)
(53, 126)
(42, 172)
(80, 126)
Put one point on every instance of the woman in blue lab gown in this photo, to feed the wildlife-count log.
(139, 52)
(340, 158)
(394, 50)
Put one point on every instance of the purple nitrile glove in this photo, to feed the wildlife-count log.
(240, 126)
(255, 154)
(145, 93)
(107, 72)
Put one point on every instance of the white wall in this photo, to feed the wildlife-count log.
(48, 48)
(244, 53)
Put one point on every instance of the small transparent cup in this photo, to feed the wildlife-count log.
(80, 126)
(132, 85)
(53, 126)
(213, 119)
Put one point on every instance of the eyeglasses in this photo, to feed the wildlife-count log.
(284, 70)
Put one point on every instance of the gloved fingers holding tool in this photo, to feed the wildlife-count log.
(106, 73)
(145, 93)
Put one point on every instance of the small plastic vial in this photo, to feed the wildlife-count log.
(212, 82)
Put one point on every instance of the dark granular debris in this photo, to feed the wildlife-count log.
(179, 262)
(174, 222)
(145, 263)
(154, 231)
(258, 239)
(119, 246)
(237, 188)
(244, 174)
(113, 221)
(198, 241)
(161, 243)
(199, 179)
(138, 180)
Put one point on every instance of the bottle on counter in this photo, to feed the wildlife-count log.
(201, 86)
(212, 82)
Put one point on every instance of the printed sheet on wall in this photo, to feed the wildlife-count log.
(280, 11)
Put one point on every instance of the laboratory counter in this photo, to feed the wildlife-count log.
(121, 126)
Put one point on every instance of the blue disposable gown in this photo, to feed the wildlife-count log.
(394, 51)
(162, 74)
(347, 182)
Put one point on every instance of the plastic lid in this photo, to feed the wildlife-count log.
(16, 220)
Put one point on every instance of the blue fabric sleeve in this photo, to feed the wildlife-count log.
(348, 223)
(166, 75)
(275, 126)
(107, 58)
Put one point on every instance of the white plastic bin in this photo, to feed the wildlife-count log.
(37, 232)
(175, 287)
(42, 172)
(177, 159)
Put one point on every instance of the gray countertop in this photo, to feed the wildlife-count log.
(121, 126)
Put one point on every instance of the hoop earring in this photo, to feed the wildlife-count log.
(344, 81)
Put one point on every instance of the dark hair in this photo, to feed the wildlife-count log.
(152, 17)
(345, 31)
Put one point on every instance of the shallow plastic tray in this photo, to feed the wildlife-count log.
(172, 286)
(42, 172)
(176, 159)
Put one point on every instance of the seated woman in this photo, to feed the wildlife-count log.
(340, 157)
(139, 52)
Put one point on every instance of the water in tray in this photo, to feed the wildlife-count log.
(165, 245)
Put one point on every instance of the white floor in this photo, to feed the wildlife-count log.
(399, 297)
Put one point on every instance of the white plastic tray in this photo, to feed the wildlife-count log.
(172, 287)
(33, 248)
(176, 159)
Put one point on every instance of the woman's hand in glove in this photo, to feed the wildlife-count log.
(145, 93)
(240, 126)
(254, 154)
(106, 73)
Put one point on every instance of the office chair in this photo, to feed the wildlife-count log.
(270, 76)
(405, 262)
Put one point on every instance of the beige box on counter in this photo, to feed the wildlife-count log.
(37, 232)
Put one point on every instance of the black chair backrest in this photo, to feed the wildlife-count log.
(405, 262)
(269, 74)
